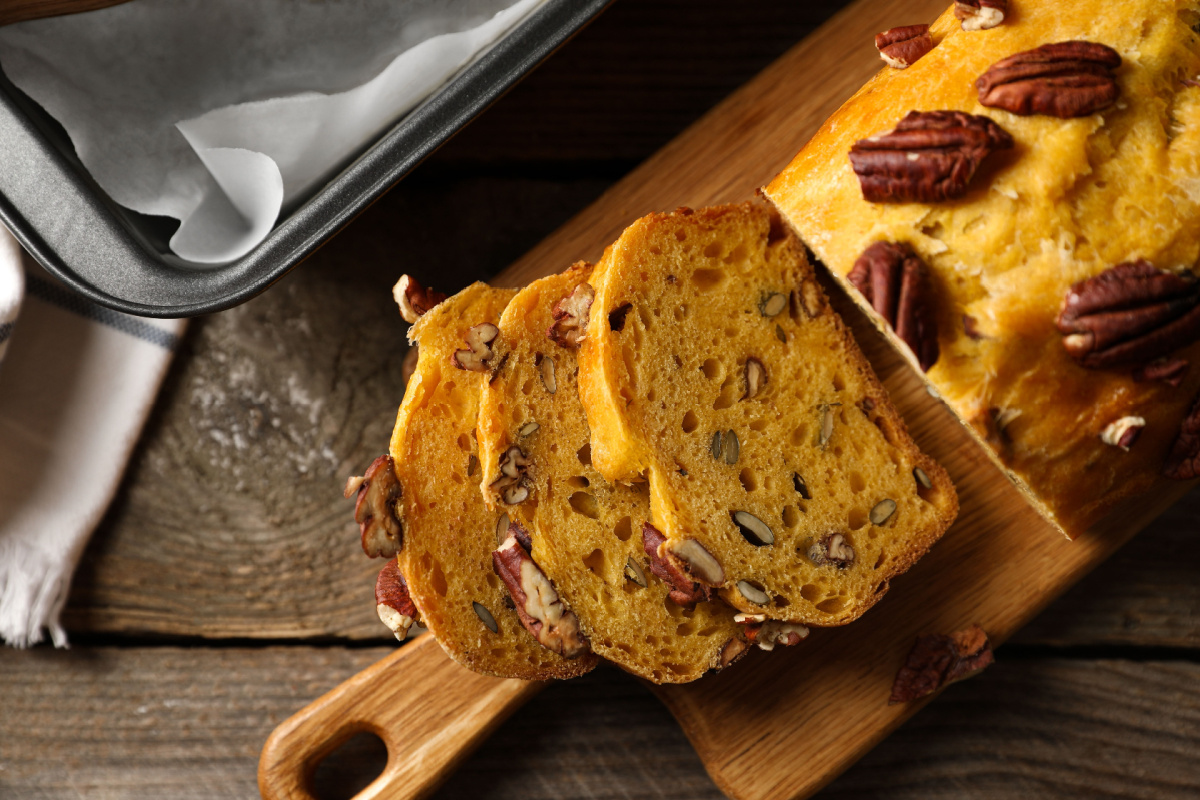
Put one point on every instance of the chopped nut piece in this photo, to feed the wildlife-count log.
(882, 511)
(1170, 371)
(766, 633)
(801, 486)
(931, 156)
(479, 342)
(414, 299)
(808, 298)
(734, 649)
(538, 605)
(684, 591)
(922, 477)
(527, 429)
(902, 47)
(779, 334)
(755, 531)
(545, 365)
(772, 305)
(1129, 314)
(571, 316)
(733, 447)
(756, 377)
(393, 603)
(753, 593)
(1064, 80)
(971, 328)
(1124, 432)
(511, 486)
(377, 508)
(715, 447)
(472, 464)
(1183, 462)
(616, 317)
(937, 660)
(486, 617)
(835, 549)
(980, 15)
(634, 572)
(892, 278)
(826, 431)
(699, 563)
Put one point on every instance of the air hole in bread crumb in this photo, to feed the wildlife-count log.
(879, 561)
(595, 561)
(800, 435)
(856, 518)
(791, 517)
(680, 235)
(709, 631)
(714, 250)
(464, 443)
(454, 476)
(651, 396)
(737, 254)
(857, 482)
(584, 454)
(578, 482)
(780, 601)
(585, 503)
(833, 605)
(492, 580)
(685, 629)
(527, 386)
(839, 383)
(623, 529)
(437, 579)
(707, 280)
(713, 370)
(731, 332)
(749, 479)
(690, 421)
(726, 398)
(624, 648)
(758, 425)
(811, 592)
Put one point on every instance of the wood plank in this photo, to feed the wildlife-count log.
(21, 10)
(188, 723)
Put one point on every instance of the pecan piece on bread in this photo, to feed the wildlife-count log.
(892, 279)
(901, 47)
(766, 633)
(685, 592)
(937, 660)
(1124, 432)
(512, 486)
(393, 603)
(538, 605)
(377, 509)
(1183, 462)
(1064, 80)
(930, 156)
(413, 298)
(479, 349)
(834, 549)
(1170, 371)
(571, 316)
(1129, 314)
(980, 15)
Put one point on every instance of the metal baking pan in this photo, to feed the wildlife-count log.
(120, 259)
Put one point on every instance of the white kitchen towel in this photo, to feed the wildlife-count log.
(77, 383)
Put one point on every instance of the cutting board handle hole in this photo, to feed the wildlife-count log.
(350, 768)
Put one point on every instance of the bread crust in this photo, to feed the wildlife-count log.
(1072, 199)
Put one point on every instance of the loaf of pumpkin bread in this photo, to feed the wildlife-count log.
(1020, 209)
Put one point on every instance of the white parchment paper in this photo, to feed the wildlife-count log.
(220, 113)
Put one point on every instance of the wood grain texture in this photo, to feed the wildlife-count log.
(21, 10)
(133, 723)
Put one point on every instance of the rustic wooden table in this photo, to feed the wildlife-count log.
(225, 588)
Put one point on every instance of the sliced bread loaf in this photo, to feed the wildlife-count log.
(587, 533)
(448, 532)
(779, 471)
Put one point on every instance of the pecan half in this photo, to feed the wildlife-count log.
(1064, 80)
(538, 605)
(684, 591)
(413, 298)
(901, 47)
(377, 509)
(833, 548)
(1124, 432)
(571, 316)
(766, 633)
(513, 484)
(929, 157)
(733, 650)
(937, 660)
(1183, 462)
(1170, 371)
(479, 348)
(393, 603)
(980, 15)
(1129, 314)
(892, 279)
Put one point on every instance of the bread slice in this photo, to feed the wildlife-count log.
(586, 532)
(1072, 201)
(779, 470)
(448, 532)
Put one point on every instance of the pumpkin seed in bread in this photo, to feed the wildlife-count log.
(778, 469)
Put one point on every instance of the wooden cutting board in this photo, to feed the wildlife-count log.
(781, 724)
